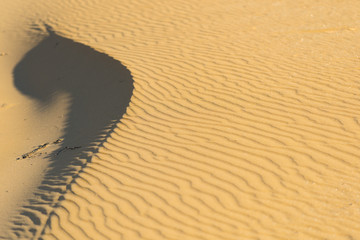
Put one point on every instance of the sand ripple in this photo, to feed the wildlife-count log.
(242, 124)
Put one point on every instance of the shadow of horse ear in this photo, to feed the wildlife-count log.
(99, 88)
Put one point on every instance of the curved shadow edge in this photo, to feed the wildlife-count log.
(99, 89)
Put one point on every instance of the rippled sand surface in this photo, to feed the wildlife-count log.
(212, 119)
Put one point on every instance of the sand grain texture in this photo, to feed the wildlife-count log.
(243, 122)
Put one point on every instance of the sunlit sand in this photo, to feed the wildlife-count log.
(179, 120)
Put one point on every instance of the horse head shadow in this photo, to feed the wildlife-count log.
(99, 89)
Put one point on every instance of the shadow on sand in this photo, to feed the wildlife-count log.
(99, 88)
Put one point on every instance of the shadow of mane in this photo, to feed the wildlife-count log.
(99, 88)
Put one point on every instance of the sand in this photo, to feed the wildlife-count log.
(178, 120)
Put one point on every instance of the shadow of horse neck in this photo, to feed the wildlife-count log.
(99, 88)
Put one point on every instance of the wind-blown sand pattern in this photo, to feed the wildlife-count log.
(243, 122)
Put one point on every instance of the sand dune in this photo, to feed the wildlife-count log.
(242, 124)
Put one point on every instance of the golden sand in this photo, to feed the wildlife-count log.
(212, 119)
